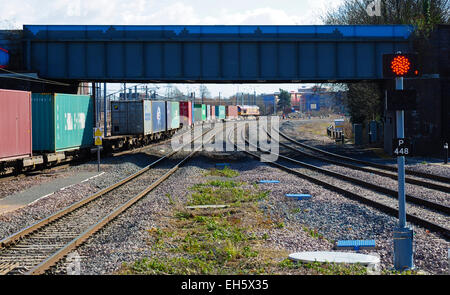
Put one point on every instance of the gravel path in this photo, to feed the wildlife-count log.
(20, 183)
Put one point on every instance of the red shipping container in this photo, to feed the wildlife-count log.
(15, 124)
(213, 112)
(232, 112)
(186, 113)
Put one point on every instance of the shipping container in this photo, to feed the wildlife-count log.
(213, 113)
(208, 112)
(172, 115)
(186, 113)
(62, 121)
(15, 124)
(193, 113)
(131, 117)
(204, 112)
(158, 116)
(200, 112)
(232, 112)
(220, 112)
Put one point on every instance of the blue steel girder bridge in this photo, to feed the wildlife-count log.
(211, 54)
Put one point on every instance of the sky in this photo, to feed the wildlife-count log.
(16, 13)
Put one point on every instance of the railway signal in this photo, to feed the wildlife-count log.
(98, 136)
(398, 66)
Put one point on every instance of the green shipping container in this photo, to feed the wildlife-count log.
(200, 112)
(175, 115)
(62, 122)
(220, 112)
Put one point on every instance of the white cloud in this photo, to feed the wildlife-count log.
(148, 12)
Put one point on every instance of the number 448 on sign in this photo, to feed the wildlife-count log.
(401, 147)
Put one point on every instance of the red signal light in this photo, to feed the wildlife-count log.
(400, 65)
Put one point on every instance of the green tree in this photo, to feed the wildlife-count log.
(363, 101)
(284, 102)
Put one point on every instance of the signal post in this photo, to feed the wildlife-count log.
(399, 66)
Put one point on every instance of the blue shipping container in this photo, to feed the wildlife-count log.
(158, 116)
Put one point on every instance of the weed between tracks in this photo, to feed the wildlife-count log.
(225, 172)
(231, 240)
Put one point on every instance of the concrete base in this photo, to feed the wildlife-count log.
(335, 257)
(403, 249)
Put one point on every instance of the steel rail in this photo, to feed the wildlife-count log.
(370, 170)
(28, 230)
(53, 259)
(382, 207)
(367, 163)
(393, 193)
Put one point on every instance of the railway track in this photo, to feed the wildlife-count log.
(433, 177)
(382, 189)
(381, 204)
(37, 248)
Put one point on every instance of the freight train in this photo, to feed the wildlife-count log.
(46, 129)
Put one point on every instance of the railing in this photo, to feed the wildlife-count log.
(338, 135)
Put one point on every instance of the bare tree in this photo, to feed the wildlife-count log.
(204, 91)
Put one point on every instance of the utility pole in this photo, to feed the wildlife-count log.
(104, 110)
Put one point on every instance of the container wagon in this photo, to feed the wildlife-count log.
(16, 143)
(131, 117)
(62, 122)
(15, 125)
(172, 116)
(213, 113)
(186, 113)
(138, 123)
(199, 112)
(220, 112)
(208, 112)
(232, 112)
